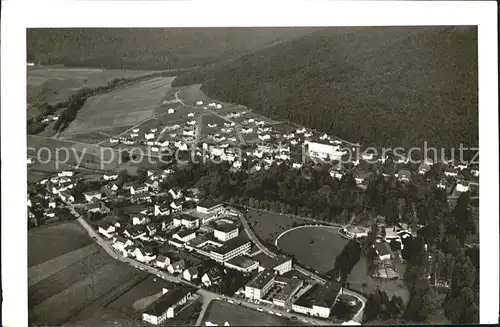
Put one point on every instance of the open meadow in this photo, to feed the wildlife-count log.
(124, 106)
(57, 84)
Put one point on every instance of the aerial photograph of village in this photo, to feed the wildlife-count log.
(252, 176)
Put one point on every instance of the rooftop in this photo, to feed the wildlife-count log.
(291, 285)
(226, 227)
(231, 245)
(241, 261)
(207, 203)
(271, 263)
(320, 295)
(189, 217)
(171, 298)
(382, 249)
(184, 233)
(262, 279)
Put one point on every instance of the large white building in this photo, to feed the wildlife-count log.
(233, 248)
(258, 287)
(318, 300)
(242, 264)
(209, 207)
(324, 150)
(281, 264)
(225, 232)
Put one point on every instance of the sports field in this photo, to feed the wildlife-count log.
(315, 246)
(268, 226)
(124, 106)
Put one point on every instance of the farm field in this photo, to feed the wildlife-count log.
(92, 156)
(268, 226)
(315, 246)
(48, 242)
(219, 312)
(94, 278)
(56, 84)
(124, 106)
(45, 269)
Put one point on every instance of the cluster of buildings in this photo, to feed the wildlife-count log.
(292, 294)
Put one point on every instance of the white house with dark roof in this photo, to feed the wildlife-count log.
(92, 195)
(162, 261)
(161, 210)
(208, 207)
(190, 274)
(383, 251)
(185, 235)
(176, 267)
(175, 193)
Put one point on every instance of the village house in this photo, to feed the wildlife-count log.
(176, 267)
(89, 196)
(185, 235)
(144, 254)
(175, 193)
(162, 210)
(66, 197)
(190, 274)
(211, 277)
(153, 184)
(139, 219)
(141, 198)
(97, 207)
(176, 205)
(120, 243)
(141, 188)
(107, 230)
(162, 261)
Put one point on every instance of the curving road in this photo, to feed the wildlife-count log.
(357, 317)
(207, 296)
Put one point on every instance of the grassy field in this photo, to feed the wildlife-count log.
(90, 280)
(219, 312)
(316, 247)
(140, 296)
(268, 226)
(54, 85)
(124, 106)
(70, 152)
(48, 242)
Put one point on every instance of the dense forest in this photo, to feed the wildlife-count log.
(387, 86)
(149, 48)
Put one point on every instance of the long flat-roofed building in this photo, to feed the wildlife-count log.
(166, 306)
(241, 263)
(233, 248)
(281, 263)
(209, 207)
(258, 287)
(318, 300)
(324, 150)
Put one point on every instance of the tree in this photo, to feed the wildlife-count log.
(423, 301)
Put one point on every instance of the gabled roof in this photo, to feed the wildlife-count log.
(192, 270)
(382, 249)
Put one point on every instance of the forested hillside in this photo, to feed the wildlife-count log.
(386, 86)
(149, 48)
